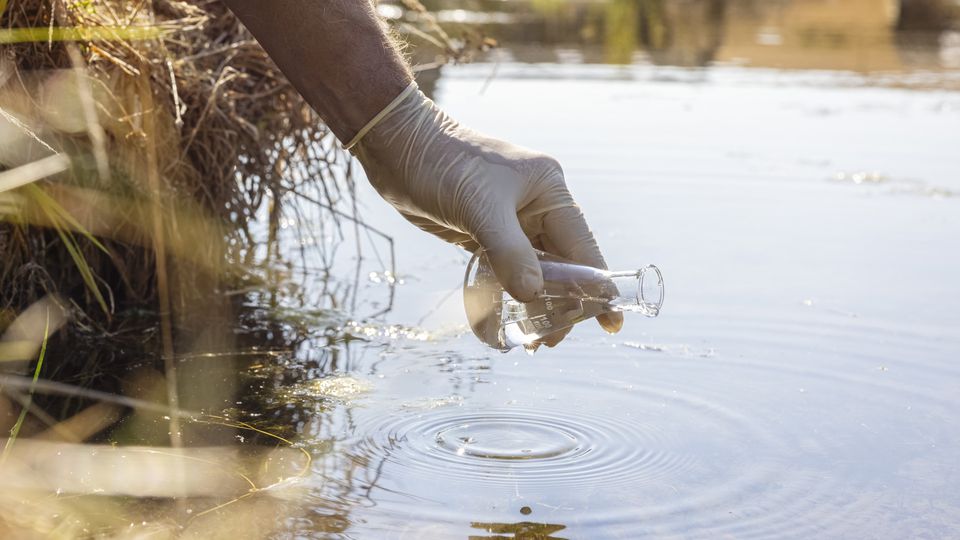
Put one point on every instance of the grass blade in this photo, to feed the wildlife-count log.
(56, 212)
(79, 33)
(15, 430)
(62, 222)
(31, 172)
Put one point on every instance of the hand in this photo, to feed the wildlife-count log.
(475, 191)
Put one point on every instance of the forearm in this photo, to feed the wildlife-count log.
(334, 52)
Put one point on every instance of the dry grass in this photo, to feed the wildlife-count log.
(148, 151)
(227, 133)
(139, 144)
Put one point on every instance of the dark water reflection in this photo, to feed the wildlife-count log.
(864, 36)
(524, 530)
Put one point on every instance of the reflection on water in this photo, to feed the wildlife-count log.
(672, 33)
(524, 530)
(856, 35)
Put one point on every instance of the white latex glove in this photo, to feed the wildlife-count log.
(475, 191)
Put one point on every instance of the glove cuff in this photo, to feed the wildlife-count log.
(412, 87)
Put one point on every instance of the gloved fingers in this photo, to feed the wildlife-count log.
(469, 244)
(554, 339)
(543, 243)
(568, 235)
(567, 232)
(611, 322)
(444, 233)
(510, 253)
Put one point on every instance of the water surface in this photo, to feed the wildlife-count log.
(794, 172)
(801, 380)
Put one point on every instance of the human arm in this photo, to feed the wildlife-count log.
(464, 187)
(334, 52)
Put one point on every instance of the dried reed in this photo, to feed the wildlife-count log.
(142, 145)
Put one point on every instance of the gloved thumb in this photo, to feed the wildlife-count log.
(511, 255)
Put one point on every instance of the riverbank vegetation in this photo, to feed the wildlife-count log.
(151, 156)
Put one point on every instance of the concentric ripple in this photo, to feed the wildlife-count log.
(508, 438)
(530, 446)
(636, 445)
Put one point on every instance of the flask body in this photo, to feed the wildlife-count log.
(571, 293)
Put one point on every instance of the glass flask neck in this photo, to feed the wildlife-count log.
(639, 291)
(571, 293)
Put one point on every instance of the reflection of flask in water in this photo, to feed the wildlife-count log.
(571, 293)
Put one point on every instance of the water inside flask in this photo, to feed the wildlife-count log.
(572, 293)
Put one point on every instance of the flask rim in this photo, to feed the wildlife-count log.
(649, 303)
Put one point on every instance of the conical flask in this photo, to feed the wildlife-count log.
(571, 293)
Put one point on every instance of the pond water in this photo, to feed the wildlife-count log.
(791, 167)
(801, 380)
